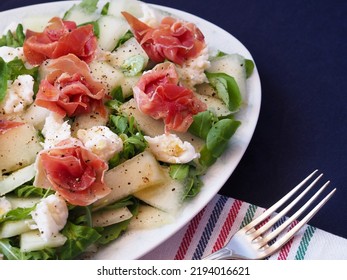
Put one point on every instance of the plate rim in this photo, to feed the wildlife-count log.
(248, 129)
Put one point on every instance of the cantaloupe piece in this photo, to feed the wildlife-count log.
(167, 197)
(149, 217)
(19, 147)
(137, 173)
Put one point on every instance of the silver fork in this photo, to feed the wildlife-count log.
(251, 242)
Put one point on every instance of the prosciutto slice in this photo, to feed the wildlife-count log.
(173, 40)
(73, 171)
(158, 94)
(69, 89)
(60, 38)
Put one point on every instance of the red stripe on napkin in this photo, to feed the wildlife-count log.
(283, 254)
(223, 235)
(188, 236)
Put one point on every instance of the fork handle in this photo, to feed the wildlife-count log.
(221, 254)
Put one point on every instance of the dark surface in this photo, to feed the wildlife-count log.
(299, 48)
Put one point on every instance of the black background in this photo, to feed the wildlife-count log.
(299, 48)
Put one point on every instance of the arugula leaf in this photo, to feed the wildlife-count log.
(13, 40)
(189, 175)
(133, 140)
(193, 186)
(96, 27)
(11, 70)
(12, 252)
(79, 238)
(227, 89)
(17, 214)
(3, 78)
(124, 38)
(30, 190)
(20, 34)
(127, 201)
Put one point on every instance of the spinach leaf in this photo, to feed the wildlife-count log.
(179, 171)
(219, 135)
(227, 89)
(202, 123)
(217, 140)
(206, 157)
(249, 64)
(16, 68)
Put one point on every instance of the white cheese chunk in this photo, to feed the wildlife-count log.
(19, 95)
(171, 149)
(55, 130)
(192, 72)
(50, 216)
(101, 141)
(9, 53)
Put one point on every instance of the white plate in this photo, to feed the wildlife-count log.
(135, 244)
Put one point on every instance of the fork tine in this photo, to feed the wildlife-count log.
(284, 239)
(279, 203)
(278, 230)
(281, 214)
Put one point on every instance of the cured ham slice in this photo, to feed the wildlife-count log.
(158, 94)
(60, 38)
(69, 89)
(174, 40)
(6, 125)
(74, 172)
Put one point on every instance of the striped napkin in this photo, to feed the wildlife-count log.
(210, 229)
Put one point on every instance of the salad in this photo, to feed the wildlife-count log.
(110, 114)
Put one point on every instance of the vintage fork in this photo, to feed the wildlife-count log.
(251, 242)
